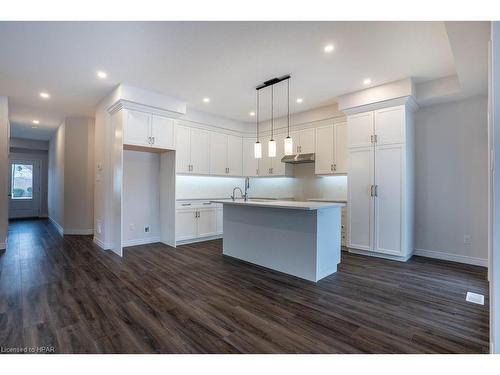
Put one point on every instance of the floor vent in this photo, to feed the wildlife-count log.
(475, 298)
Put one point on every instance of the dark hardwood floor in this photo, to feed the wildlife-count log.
(69, 295)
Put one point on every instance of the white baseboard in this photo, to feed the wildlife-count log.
(101, 244)
(201, 239)
(451, 257)
(79, 232)
(57, 226)
(379, 255)
(141, 241)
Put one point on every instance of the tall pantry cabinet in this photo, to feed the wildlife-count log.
(380, 182)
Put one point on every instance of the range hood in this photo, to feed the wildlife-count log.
(299, 158)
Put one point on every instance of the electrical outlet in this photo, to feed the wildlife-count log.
(467, 240)
(99, 226)
(146, 229)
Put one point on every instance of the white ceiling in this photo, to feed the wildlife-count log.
(220, 60)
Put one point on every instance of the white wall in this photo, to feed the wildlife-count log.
(56, 177)
(4, 153)
(71, 176)
(141, 197)
(451, 170)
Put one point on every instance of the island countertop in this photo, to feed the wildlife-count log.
(294, 205)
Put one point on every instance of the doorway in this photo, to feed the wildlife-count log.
(24, 188)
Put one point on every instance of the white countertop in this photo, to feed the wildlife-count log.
(327, 200)
(294, 205)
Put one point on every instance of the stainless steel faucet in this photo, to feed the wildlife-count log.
(233, 197)
(244, 196)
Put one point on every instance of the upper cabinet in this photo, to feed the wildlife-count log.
(193, 151)
(225, 154)
(361, 130)
(331, 149)
(303, 141)
(250, 164)
(144, 129)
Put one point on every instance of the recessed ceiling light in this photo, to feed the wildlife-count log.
(34, 127)
(44, 95)
(102, 75)
(329, 48)
(252, 114)
(300, 100)
(36, 122)
(367, 81)
(206, 100)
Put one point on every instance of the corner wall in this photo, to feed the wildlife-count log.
(451, 170)
(56, 178)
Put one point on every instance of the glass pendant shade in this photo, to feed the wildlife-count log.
(288, 146)
(257, 150)
(272, 148)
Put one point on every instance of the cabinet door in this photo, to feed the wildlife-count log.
(185, 225)
(389, 125)
(250, 164)
(296, 141)
(388, 199)
(234, 155)
(218, 153)
(207, 222)
(341, 150)
(182, 150)
(136, 129)
(265, 163)
(162, 131)
(219, 220)
(360, 129)
(324, 150)
(360, 201)
(307, 141)
(277, 166)
(200, 151)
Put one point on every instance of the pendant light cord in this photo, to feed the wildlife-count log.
(257, 115)
(288, 105)
(272, 111)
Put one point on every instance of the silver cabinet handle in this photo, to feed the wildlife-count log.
(375, 138)
(371, 190)
(257, 172)
(371, 138)
(207, 203)
(331, 167)
(153, 140)
(376, 191)
(335, 167)
(186, 204)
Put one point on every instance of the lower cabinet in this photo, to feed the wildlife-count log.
(197, 220)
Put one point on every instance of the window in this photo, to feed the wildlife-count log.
(22, 181)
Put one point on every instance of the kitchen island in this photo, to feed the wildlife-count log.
(298, 238)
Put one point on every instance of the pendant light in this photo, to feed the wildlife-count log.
(271, 147)
(288, 140)
(257, 147)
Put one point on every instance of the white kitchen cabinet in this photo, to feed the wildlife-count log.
(234, 156)
(148, 130)
(388, 199)
(250, 163)
(185, 224)
(359, 197)
(360, 130)
(207, 222)
(225, 154)
(331, 149)
(218, 153)
(163, 132)
(192, 150)
(380, 191)
(303, 141)
(195, 220)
